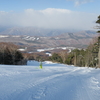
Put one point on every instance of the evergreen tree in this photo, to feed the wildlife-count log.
(10, 55)
(56, 58)
(98, 22)
(18, 56)
(7, 59)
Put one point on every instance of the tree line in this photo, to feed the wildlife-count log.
(84, 57)
(10, 55)
(90, 57)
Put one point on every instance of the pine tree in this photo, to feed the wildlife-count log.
(98, 22)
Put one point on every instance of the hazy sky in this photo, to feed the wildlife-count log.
(62, 14)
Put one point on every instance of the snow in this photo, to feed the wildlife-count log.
(53, 82)
(41, 50)
(63, 48)
(3, 36)
(16, 36)
(23, 49)
(49, 54)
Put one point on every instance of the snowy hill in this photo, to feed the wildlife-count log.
(53, 82)
(46, 38)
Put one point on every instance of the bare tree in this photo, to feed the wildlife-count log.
(63, 55)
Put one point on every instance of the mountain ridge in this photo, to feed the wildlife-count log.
(35, 31)
(36, 38)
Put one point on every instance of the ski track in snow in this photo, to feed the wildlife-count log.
(53, 82)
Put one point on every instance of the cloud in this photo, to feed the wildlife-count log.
(49, 18)
(79, 2)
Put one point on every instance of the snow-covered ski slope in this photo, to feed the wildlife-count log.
(53, 82)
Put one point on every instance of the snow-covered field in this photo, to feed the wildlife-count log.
(53, 82)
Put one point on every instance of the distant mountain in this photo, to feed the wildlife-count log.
(37, 38)
(32, 31)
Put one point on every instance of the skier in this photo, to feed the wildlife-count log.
(40, 65)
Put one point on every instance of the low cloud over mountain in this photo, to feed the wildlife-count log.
(49, 18)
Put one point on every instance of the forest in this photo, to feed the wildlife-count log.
(89, 57)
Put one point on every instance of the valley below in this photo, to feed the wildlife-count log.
(35, 38)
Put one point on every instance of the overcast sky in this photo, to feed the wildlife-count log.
(54, 14)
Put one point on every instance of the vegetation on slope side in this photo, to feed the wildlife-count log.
(9, 54)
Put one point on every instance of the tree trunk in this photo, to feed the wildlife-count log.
(99, 58)
(75, 64)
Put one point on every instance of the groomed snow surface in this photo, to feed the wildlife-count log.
(53, 82)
